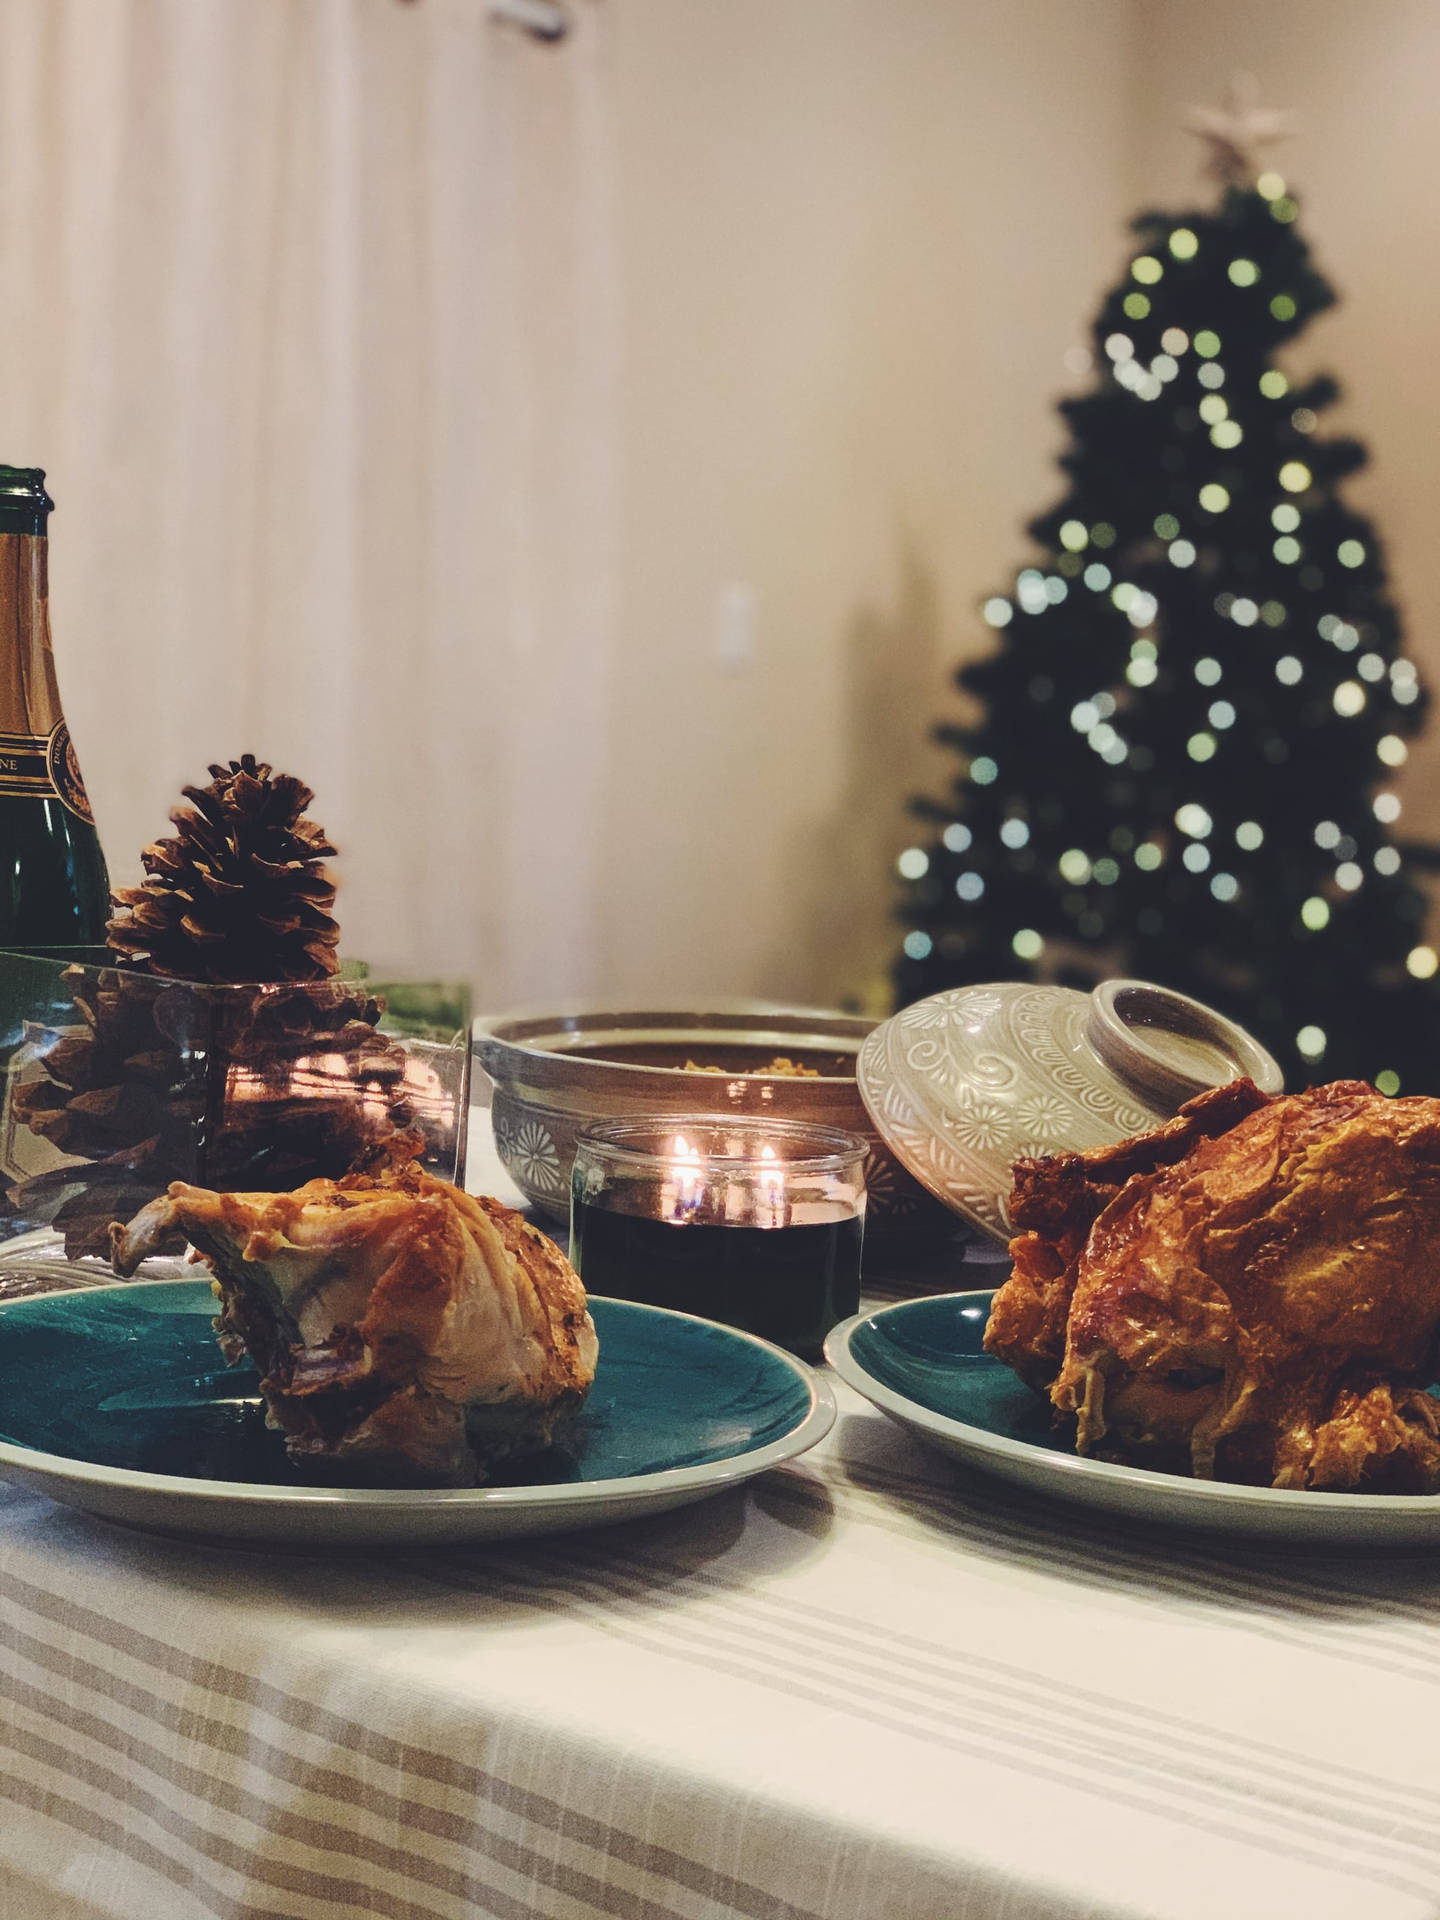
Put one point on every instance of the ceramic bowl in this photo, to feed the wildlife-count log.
(963, 1084)
(554, 1073)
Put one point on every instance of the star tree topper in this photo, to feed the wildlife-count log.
(1238, 131)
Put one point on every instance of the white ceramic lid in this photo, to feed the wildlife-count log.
(963, 1084)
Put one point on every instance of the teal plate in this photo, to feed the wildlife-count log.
(923, 1362)
(115, 1399)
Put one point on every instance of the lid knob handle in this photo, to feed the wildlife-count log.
(1168, 1048)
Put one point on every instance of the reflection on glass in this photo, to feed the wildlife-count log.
(115, 1083)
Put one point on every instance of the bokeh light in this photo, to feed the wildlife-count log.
(1310, 1043)
(1192, 819)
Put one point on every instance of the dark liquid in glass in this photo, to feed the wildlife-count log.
(788, 1284)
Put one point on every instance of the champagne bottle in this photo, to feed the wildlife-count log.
(54, 891)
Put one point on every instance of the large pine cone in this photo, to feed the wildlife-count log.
(239, 893)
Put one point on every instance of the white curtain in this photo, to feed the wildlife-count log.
(308, 309)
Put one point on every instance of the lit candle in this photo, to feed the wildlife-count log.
(753, 1222)
(681, 1195)
(770, 1187)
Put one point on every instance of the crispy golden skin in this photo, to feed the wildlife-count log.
(1249, 1293)
(406, 1333)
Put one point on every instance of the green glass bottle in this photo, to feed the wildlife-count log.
(54, 891)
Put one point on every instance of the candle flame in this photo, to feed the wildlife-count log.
(683, 1193)
(772, 1181)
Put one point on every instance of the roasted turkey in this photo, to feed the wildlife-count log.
(406, 1333)
(1250, 1292)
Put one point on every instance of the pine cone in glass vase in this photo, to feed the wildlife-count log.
(221, 1048)
(309, 1085)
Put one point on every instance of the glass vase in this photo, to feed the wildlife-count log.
(115, 1083)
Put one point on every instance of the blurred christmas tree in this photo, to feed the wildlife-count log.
(1182, 766)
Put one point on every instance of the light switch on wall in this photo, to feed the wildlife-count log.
(734, 632)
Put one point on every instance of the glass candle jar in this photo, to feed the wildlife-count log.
(753, 1222)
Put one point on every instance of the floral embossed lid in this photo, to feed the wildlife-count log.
(963, 1084)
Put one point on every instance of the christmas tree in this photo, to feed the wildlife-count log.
(1182, 757)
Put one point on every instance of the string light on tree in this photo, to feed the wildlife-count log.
(1180, 752)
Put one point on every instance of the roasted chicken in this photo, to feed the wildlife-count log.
(406, 1333)
(1251, 1292)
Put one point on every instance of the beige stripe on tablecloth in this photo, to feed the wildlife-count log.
(125, 1845)
(906, 1660)
(1153, 1767)
(141, 1788)
(338, 1836)
(726, 1617)
(477, 1788)
(903, 1696)
(1309, 1609)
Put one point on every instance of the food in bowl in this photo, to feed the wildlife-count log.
(782, 1067)
(406, 1333)
(554, 1074)
(1248, 1292)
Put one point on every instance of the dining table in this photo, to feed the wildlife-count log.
(870, 1684)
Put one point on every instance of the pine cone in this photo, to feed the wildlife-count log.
(239, 893)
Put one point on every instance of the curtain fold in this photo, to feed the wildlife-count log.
(310, 314)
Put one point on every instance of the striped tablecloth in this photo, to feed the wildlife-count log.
(866, 1687)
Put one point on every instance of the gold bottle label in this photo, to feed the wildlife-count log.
(64, 771)
(36, 756)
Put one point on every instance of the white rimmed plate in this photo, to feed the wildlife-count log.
(923, 1363)
(115, 1399)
